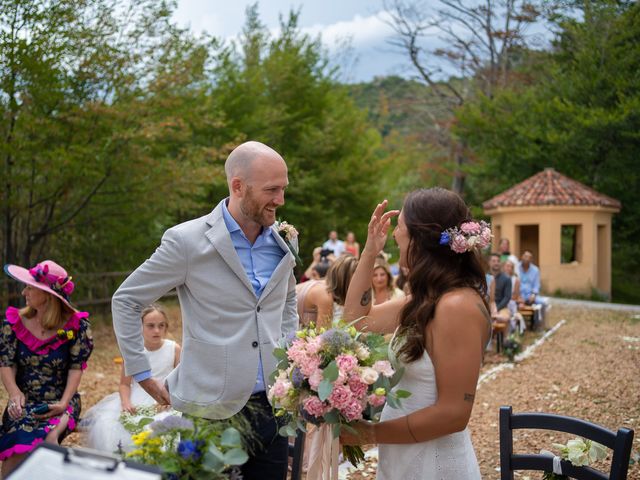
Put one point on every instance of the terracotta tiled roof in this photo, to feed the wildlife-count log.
(550, 188)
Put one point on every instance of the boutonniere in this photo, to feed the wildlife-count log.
(288, 233)
(65, 334)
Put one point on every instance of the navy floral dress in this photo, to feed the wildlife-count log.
(42, 370)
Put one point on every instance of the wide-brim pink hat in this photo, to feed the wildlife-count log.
(47, 276)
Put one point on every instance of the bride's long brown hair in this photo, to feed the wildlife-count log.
(434, 269)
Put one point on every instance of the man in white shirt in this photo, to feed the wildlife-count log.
(334, 244)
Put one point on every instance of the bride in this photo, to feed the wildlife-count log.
(441, 331)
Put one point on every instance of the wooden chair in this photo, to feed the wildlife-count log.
(296, 451)
(528, 313)
(499, 330)
(620, 443)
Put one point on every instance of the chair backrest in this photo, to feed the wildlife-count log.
(296, 451)
(620, 443)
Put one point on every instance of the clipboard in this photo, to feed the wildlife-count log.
(54, 462)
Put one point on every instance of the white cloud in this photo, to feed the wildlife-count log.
(363, 31)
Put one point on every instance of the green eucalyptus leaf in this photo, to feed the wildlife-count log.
(236, 456)
(231, 438)
(331, 372)
(324, 389)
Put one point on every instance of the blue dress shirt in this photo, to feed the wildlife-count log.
(529, 280)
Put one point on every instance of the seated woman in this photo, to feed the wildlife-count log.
(102, 422)
(44, 348)
(382, 283)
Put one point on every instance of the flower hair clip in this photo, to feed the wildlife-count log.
(470, 235)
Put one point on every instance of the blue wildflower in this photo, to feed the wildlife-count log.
(336, 341)
(297, 377)
(189, 449)
(445, 238)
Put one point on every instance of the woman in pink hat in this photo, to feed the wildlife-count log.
(44, 348)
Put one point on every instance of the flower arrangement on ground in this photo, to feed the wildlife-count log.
(335, 377)
(511, 347)
(192, 448)
(579, 452)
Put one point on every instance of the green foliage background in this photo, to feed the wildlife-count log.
(116, 124)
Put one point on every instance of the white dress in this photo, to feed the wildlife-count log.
(445, 458)
(102, 421)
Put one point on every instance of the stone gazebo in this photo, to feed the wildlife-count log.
(566, 225)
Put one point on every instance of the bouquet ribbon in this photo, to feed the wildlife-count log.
(323, 454)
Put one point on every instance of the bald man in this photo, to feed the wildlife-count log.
(234, 278)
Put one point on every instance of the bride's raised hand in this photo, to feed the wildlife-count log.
(379, 228)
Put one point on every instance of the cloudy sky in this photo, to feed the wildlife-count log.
(359, 21)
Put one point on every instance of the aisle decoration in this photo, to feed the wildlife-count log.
(579, 452)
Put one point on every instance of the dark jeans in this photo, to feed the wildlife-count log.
(269, 459)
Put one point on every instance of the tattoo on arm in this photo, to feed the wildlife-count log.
(468, 397)
(366, 298)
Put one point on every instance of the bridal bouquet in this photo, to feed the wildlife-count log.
(334, 377)
(192, 448)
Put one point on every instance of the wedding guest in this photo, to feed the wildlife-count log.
(320, 256)
(102, 421)
(517, 320)
(334, 244)
(501, 290)
(233, 272)
(382, 284)
(319, 299)
(442, 329)
(510, 271)
(44, 348)
(504, 249)
(351, 246)
(529, 275)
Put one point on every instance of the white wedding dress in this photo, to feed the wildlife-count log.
(450, 457)
(102, 421)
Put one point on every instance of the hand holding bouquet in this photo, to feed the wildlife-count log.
(333, 377)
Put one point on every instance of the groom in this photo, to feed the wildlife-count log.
(234, 278)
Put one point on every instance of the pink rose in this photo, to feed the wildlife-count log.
(357, 386)
(485, 238)
(470, 227)
(314, 345)
(314, 379)
(376, 400)
(352, 411)
(384, 367)
(340, 397)
(314, 406)
(297, 351)
(308, 365)
(281, 388)
(459, 244)
(346, 363)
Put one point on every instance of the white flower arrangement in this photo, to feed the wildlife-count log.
(579, 452)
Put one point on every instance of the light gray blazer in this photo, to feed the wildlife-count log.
(225, 327)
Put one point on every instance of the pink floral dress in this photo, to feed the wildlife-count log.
(42, 367)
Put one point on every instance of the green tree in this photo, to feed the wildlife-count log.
(104, 109)
(580, 116)
(278, 89)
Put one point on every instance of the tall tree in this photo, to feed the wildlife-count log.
(278, 88)
(481, 40)
(92, 131)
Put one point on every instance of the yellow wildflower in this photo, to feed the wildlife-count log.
(70, 334)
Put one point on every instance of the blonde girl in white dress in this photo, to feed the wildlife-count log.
(441, 331)
(102, 422)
